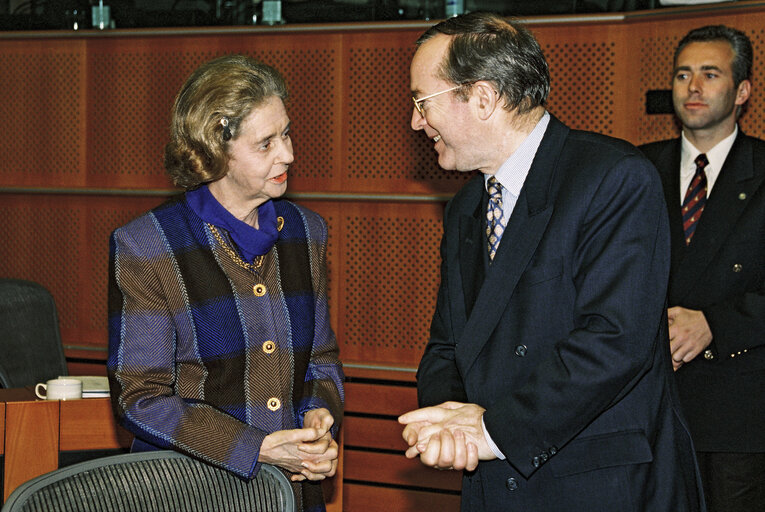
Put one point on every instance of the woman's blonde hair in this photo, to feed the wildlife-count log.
(207, 114)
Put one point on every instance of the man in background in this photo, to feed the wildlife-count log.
(714, 187)
(547, 375)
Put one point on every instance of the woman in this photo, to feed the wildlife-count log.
(219, 339)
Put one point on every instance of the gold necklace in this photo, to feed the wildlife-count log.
(252, 267)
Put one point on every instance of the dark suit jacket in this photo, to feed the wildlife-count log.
(722, 273)
(563, 337)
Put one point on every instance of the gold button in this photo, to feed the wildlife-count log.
(737, 267)
(708, 355)
(269, 347)
(742, 196)
(259, 290)
(279, 223)
(274, 404)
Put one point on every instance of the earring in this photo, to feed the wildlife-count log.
(226, 129)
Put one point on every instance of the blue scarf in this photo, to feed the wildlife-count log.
(249, 241)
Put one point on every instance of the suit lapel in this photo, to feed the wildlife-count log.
(734, 187)
(473, 252)
(524, 230)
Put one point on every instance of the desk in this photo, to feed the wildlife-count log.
(35, 431)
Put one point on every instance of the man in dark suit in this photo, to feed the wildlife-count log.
(547, 375)
(714, 186)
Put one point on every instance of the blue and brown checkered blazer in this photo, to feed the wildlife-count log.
(207, 357)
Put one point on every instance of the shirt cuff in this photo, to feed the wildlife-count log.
(490, 442)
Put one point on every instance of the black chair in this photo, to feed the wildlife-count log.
(160, 481)
(29, 335)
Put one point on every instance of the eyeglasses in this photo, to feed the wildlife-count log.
(418, 102)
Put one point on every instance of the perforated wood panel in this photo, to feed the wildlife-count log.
(43, 243)
(582, 87)
(389, 280)
(42, 112)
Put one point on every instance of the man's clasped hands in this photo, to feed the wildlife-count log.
(447, 436)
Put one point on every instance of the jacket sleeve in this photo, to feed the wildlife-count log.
(738, 322)
(438, 379)
(323, 386)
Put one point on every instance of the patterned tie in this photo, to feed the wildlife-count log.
(695, 198)
(494, 225)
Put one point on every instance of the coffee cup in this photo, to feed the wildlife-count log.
(59, 389)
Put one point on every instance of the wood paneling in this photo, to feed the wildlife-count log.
(389, 400)
(31, 441)
(371, 498)
(374, 433)
(396, 469)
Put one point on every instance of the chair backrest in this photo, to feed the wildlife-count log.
(29, 337)
(159, 481)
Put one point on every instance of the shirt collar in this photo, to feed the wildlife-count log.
(716, 156)
(512, 173)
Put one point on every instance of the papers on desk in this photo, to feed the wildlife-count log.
(92, 386)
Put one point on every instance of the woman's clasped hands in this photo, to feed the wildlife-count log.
(309, 453)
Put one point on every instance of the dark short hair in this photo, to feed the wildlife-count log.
(739, 42)
(486, 46)
(228, 87)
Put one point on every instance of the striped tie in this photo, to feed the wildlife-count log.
(695, 198)
(494, 225)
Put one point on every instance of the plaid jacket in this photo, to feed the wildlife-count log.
(207, 357)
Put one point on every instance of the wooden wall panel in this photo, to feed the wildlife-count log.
(370, 498)
(584, 61)
(42, 112)
(388, 279)
(395, 469)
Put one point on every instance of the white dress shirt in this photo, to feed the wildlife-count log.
(716, 157)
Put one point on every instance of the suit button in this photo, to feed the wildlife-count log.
(737, 267)
(553, 450)
(536, 461)
(511, 484)
(520, 350)
(544, 457)
(274, 404)
(709, 355)
(742, 196)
